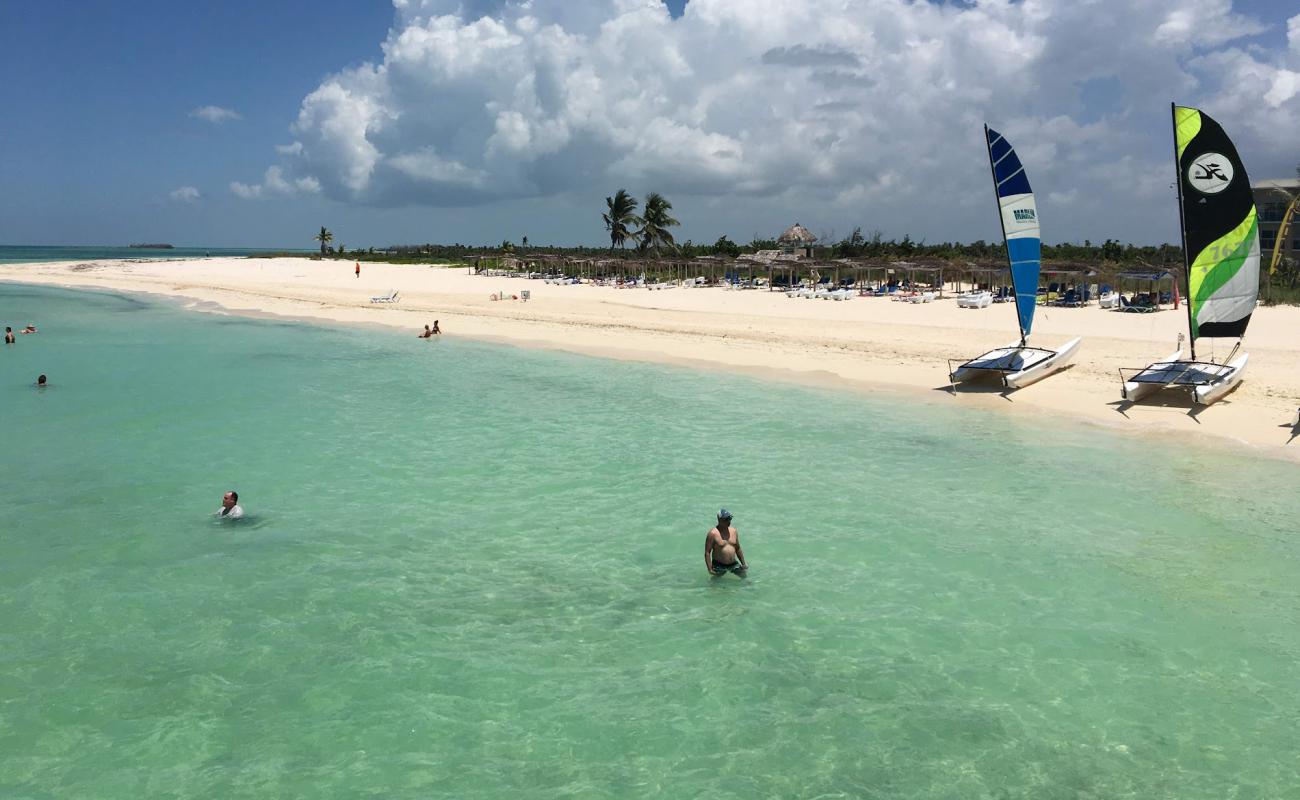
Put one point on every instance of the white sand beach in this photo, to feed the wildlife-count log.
(865, 343)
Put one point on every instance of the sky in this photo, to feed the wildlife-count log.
(251, 123)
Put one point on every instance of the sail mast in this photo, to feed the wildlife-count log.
(1182, 229)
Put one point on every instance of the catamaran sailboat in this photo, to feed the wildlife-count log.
(1018, 364)
(1220, 232)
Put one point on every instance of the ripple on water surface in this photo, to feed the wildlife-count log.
(469, 571)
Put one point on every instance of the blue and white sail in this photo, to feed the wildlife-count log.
(1019, 226)
(1019, 364)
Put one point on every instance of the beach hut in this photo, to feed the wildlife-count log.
(993, 279)
(932, 274)
(797, 239)
(1148, 290)
(1067, 285)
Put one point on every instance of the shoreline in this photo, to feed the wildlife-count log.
(866, 345)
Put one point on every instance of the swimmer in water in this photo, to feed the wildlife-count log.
(722, 553)
(41, 382)
(230, 506)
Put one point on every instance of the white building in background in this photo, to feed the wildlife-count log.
(1272, 197)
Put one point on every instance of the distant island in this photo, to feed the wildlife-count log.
(154, 246)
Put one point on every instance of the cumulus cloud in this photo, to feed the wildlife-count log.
(186, 194)
(875, 103)
(274, 182)
(215, 114)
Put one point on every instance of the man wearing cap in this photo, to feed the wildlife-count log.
(722, 553)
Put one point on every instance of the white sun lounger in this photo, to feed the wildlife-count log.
(389, 298)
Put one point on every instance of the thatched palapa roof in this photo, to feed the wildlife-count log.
(796, 234)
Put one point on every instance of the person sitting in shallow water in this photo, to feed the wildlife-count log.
(427, 333)
(722, 552)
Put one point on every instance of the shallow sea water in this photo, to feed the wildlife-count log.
(471, 571)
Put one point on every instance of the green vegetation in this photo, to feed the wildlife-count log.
(324, 237)
(652, 237)
(619, 218)
(655, 223)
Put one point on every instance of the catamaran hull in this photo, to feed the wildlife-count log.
(1064, 355)
(1019, 378)
(1208, 394)
(1202, 394)
(1134, 391)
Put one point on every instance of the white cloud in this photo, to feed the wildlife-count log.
(274, 182)
(1205, 22)
(186, 194)
(1293, 33)
(215, 114)
(835, 104)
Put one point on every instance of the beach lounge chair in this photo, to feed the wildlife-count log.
(391, 297)
(1125, 305)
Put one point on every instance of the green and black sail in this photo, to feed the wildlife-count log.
(1220, 228)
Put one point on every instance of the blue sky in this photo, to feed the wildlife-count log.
(481, 120)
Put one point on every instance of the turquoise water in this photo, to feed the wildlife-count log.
(474, 572)
(10, 254)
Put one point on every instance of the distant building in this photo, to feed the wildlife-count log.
(1272, 198)
(797, 239)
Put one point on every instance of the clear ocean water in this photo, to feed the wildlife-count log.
(11, 254)
(469, 571)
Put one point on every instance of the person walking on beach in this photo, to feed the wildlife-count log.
(722, 553)
(9, 335)
(358, 269)
(230, 506)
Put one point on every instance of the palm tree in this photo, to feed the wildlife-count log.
(655, 222)
(324, 237)
(620, 217)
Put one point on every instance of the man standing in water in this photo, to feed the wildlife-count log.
(230, 506)
(722, 553)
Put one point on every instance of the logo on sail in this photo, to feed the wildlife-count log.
(1210, 173)
(1024, 214)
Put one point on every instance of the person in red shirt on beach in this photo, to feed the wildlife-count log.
(358, 269)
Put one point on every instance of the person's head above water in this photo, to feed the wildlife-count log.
(229, 499)
(40, 381)
(724, 515)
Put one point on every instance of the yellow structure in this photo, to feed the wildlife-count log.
(1277, 202)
